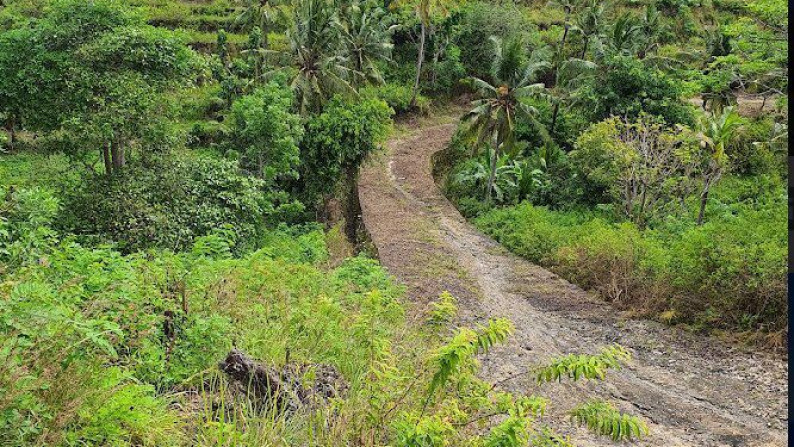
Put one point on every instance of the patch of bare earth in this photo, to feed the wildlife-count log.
(693, 391)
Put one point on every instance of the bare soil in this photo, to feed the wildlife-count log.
(692, 390)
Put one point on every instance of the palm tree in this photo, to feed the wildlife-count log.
(567, 80)
(424, 10)
(569, 8)
(367, 39)
(261, 14)
(716, 133)
(320, 71)
(493, 118)
(588, 23)
(650, 29)
(624, 36)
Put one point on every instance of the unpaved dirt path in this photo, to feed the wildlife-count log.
(693, 391)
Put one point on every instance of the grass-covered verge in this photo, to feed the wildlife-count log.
(101, 348)
(728, 273)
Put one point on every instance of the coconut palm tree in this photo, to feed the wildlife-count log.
(569, 7)
(319, 69)
(262, 14)
(493, 119)
(589, 23)
(367, 40)
(717, 131)
(624, 36)
(568, 78)
(425, 9)
(650, 28)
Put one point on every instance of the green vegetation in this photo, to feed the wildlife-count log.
(612, 179)
(169, 172)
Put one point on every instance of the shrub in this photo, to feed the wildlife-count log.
(748, 153)
(267, 134)
(171, 203)
(644, 167)
(398, 97)
(625, 87)
(729, 272)
(95, 343)
(26, 217)
(336, 143)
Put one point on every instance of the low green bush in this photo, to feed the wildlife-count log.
(728, 273)
(398, 97)
(26, 217)
(170, 203)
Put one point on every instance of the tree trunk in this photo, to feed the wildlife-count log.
(554, 117)
(436, 55)
(117, 155)
(265, 44)
(11, 126)
(491, 177)
(353, 206)
(106, 158)
(567, 27)
(560, 54)
(419, 61)
(564, 36)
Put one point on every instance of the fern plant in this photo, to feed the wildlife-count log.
(577, 366)
(604, 419)
(463, 346)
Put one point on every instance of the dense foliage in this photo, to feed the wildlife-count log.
(168, 171)
(613, 179)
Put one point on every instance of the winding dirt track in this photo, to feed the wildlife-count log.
(692, 391)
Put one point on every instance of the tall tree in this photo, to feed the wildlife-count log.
(624, 37)
(589, 23)
(717, 131)
(319, 68)
(367, 40)
(262, 14)
(569, 8)
(94, 70)
(493, 118)
(425, 9)
(568, 78)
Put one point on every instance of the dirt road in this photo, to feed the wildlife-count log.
(693, 391)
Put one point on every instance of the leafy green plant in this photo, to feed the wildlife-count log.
(171, 203)
(604, 419)
(267, 134)
(336, 143)
(398, 97)
(26, 218)
(444, 309)
(455, 355)
(582, 366)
